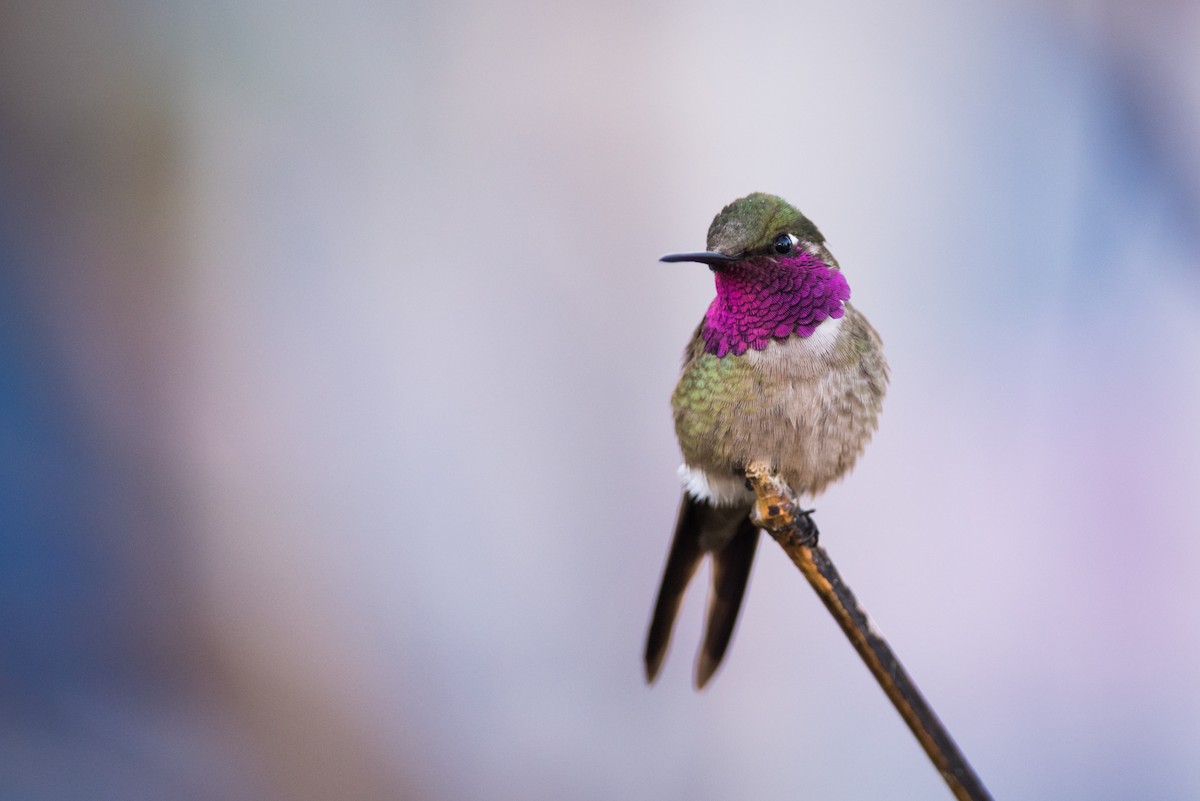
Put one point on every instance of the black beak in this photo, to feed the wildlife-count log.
(704, 257)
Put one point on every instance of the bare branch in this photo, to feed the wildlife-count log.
(777, 511)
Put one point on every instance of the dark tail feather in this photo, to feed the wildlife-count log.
(731, 570)
(681, 566)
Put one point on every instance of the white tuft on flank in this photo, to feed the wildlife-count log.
(717, 490)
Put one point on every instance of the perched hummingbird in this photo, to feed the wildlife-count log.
(783, 370)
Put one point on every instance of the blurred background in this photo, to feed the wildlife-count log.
(334, 363)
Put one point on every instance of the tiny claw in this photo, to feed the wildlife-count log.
(807, 533)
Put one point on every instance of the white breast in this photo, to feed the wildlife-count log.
(798, 357)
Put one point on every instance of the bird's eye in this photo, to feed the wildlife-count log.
(784, 244)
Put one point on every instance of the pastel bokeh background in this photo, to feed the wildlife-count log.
(334, 366)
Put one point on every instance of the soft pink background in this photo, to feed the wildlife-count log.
(336, 355)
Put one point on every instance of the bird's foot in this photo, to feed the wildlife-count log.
(776, 510)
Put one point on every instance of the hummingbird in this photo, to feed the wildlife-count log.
(781, 370)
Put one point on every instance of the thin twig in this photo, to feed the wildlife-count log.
(777, 511)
